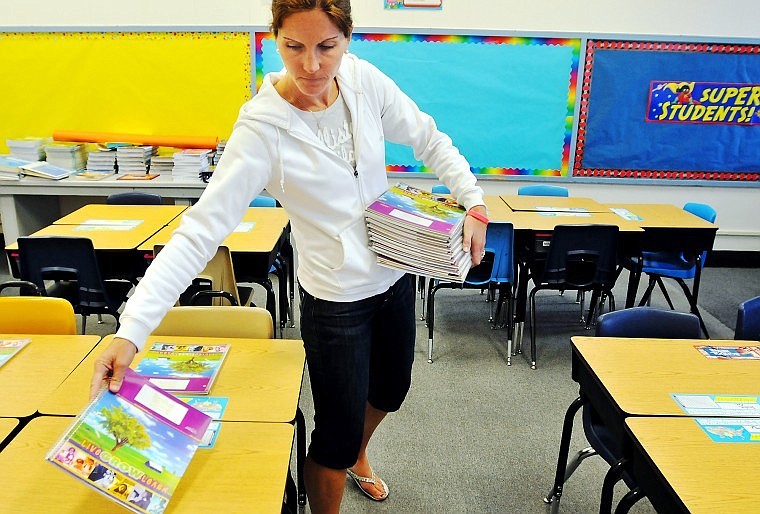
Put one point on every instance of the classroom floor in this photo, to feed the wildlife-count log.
(477, 436)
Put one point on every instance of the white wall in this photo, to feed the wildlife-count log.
(698, 19)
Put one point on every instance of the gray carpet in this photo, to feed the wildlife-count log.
(477, 436)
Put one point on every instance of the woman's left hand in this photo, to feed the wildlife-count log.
(474, 236)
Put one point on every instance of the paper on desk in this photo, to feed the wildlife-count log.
(731, 430)
(718, 405)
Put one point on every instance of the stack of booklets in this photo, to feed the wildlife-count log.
(219, 151)
(191, 162)
(162, 164)
(185, 368)
(27, 148)
(134, 159)
(133, 446)
(69, 156)
(101, 159)
(419, 232)
(10, 167)
(44, 169)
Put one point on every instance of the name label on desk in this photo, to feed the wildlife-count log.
(731, 430)
(725, 405)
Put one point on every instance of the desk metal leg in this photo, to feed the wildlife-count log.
(300, 454)
(564, 449)
(633, 283)
(612, 477)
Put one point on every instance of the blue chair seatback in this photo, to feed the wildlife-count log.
(440, 189)
(500, 248)
(263, 201)
(748, 320)
(543, 190)
(649, 322)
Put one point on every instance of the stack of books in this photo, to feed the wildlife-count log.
(162, 164)
(101, 163)
(419, 232)
(27, 148)
(191, 162)
(70, 156)
(10, 167)
(219, 150)
(134, 159)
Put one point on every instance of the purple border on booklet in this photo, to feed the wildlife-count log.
(436, 225)
(194, 423)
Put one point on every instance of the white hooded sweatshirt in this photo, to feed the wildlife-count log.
(271, 147)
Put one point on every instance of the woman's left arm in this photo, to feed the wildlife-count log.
(474, 233)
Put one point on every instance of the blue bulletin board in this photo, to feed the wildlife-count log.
(506, 102)
(681, 111)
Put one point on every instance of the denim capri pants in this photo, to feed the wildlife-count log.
(357, 352)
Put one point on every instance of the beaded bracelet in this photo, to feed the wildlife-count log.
(480, 217)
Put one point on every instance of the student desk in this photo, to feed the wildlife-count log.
(261, 377)
(253, 248)
(533, 233)
(245, 471)
(680, 469)
(552, 203)
(153, 215)
(669, 228)
(7, 427)
(116, 246)
(33, 373)
(31, 203)
(624, 377)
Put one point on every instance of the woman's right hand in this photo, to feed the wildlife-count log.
(111, 365)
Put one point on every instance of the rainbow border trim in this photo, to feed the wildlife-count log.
(580, 171)
(573, 43)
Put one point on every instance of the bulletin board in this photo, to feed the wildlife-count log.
(674, 111)
(506, 102)
(157, 83)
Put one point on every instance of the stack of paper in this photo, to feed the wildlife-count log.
(134, 159)
(162, 164)
(191, 162)
(27, 148)
(10, 167)
(69, 156)
(419, 232)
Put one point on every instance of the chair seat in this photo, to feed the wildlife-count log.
(668, 263)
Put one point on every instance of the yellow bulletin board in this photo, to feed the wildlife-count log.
(156, 83)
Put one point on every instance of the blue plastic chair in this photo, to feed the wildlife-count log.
(134, 198)
(495, 272)
(642, 322)
(440, 189)
(748, 320)
(543, 190)
(263, 201)
(678, 266)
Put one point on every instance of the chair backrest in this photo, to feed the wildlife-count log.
(748, 320)
(500, 243)
(218, 273)
(222, 321)
(65, 258)
(263, 201)
(650, 323)
(581, 256)
(705, 212)
(36, 315)
(543, 190)
(440, 189)
(134, 198)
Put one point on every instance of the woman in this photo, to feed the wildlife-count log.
(313, 136)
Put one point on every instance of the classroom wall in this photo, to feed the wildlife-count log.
(698, 19)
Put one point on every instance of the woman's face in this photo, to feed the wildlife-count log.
(311, 47)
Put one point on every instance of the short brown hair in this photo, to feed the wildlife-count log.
(339, 11)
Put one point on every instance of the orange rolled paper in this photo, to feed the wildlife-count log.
(81, 136)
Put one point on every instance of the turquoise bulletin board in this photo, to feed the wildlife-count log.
(155, 83)
(506, 102)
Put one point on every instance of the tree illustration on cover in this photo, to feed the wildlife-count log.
(125, 429)
(190, 366)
